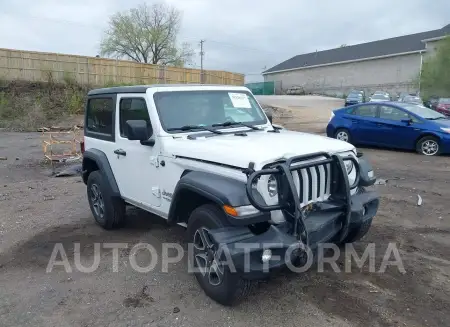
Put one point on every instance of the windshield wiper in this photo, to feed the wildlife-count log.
(194, 127)
(436, 118)
(237, 123)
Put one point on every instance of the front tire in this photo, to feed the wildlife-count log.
(428, 146)
(218, 281)
(357, 233)
(109, 212)
(342, 134)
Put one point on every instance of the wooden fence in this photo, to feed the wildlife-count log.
(40, 66)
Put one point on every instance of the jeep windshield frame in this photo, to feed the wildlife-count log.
(207, 108)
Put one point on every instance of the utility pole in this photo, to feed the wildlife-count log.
(202, 53)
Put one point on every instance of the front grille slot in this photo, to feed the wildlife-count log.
(313, 183)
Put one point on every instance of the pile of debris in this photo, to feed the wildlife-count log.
(277, 112)
(60, 128)
(296, 90)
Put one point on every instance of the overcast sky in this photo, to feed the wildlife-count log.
(240, 35)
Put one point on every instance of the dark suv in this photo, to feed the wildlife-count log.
(354, 97)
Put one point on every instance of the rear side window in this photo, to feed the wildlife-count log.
(99, 116)
(133, 109)
(365, 111)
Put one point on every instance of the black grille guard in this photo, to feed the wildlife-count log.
(288, 197)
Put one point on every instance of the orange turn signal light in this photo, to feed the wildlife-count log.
(230, 210)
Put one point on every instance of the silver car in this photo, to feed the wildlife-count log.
(379, 97)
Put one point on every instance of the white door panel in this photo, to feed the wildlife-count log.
(136, 171)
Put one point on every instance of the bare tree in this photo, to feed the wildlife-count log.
(147, 34)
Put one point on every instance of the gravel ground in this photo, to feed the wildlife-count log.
(37, 211)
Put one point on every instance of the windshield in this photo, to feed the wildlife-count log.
(444, 100)
(422, 111)
(206, 108)
(380, 96)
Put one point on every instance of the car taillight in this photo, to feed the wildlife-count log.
(331, 116)
(82, 146)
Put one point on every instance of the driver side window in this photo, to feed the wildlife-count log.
(133, 109)
(391, 113)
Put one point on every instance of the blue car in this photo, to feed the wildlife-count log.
(392, 124)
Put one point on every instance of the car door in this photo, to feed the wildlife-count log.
(394, 132)
(135, 165)
(364, 127)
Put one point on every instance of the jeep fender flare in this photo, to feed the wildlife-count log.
(101, 162)
(214, 188)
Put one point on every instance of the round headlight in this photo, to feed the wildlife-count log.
(348, 166)
(272, 186)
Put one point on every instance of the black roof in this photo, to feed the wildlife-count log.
(142, 88)
(400, 44)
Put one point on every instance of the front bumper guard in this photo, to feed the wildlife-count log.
(331, 220)
(289, 200)
(245, 249)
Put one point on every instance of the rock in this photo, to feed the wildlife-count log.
(74, 170)
(381, 181)
(176, 310)
(3, 158)
(419, 200)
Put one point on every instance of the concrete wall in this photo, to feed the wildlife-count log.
(431, 49)
(394, 74)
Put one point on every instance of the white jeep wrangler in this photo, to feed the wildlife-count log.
(208, 158)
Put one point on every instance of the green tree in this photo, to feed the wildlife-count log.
(147, 34)
(435, 75)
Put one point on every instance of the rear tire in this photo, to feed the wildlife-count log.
(428, 146)
(109, 212)
(342, 134)
(217, 281)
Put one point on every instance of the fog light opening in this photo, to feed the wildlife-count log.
(266, 255)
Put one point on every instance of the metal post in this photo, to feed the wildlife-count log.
(420, 71)
(202, 53)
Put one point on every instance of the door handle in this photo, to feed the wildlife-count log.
(120, 152)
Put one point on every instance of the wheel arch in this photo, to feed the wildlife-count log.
(421, 136)
(94, 159)
(196, 188)
(345, 128)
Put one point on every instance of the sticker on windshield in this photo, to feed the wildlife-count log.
(240, 100)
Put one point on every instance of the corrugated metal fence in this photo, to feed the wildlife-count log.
(40, 66)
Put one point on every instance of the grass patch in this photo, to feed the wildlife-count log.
(26, 106)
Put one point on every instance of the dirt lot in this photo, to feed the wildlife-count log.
(37, 211)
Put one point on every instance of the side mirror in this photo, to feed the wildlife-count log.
(407, 121)
(137, 130)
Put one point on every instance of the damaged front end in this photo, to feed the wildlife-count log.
(343, 215)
